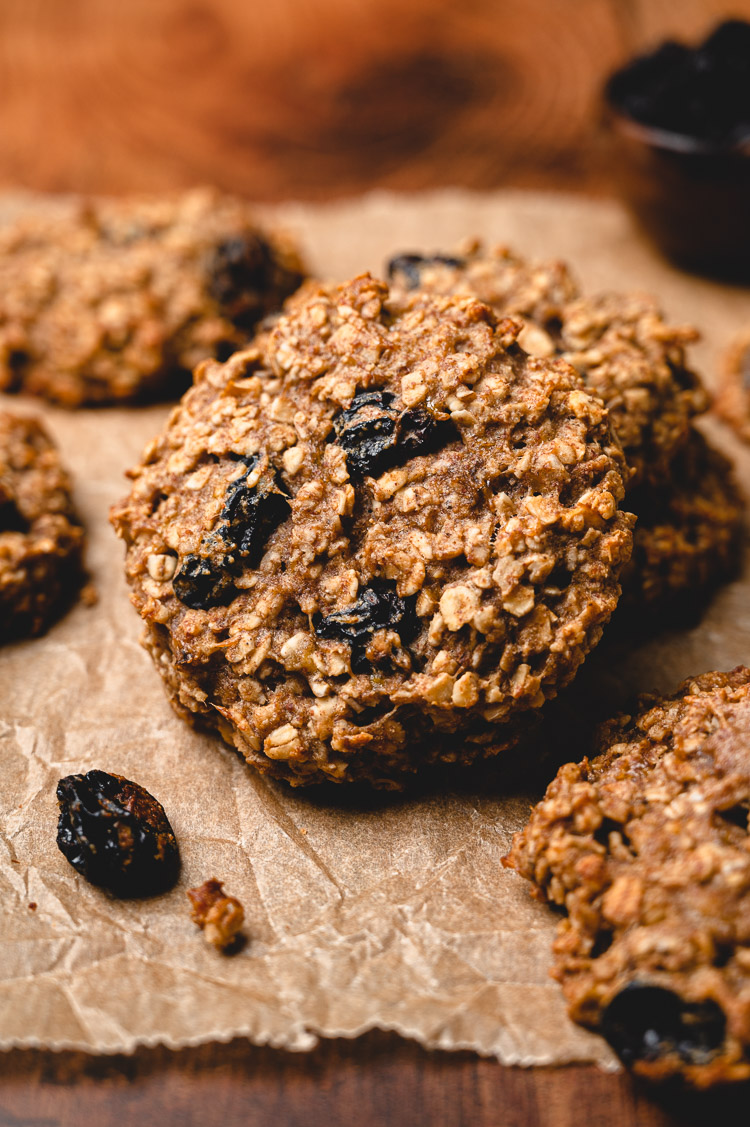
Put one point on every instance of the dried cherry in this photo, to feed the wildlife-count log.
(408, 267)
(645, 1022)
(379, 607)
(116, 834)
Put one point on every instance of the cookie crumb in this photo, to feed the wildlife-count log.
(220, 916)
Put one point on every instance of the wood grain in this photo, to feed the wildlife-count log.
(316, 99)
(375, 1081)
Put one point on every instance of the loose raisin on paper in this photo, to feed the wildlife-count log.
(377, 608)
(116, 834)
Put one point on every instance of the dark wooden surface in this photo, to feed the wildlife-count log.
(375, 1081)
(317, 99)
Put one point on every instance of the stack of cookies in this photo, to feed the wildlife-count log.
(682, 490)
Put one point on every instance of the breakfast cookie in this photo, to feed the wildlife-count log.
(688, 531)
(41, 539)
(619, 343)
(646, 848)
(120, 300)
(733, 398)
(377, 539)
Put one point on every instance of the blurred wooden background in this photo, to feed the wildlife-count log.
(317, 98)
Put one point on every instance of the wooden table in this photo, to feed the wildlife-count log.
(373, 1081)
(156, 94)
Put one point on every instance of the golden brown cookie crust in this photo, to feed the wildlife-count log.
(620, 343)
(393, 612)
(646, 847)
(41, 539)
(120, 300)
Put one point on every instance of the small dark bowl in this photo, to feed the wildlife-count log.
(691, 198)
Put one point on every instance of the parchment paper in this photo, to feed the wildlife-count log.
(382, 912)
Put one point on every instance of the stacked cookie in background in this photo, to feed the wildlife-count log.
(118, 301)
(114, 302)
(682, 491)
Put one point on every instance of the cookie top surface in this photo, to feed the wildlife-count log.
(122, 298)
(382, 523)
(647, 848)
(40, 535)
(620, 344)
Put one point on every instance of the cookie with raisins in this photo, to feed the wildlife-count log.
(377, 538)
(688, 533)
(646, 848)
(119, 300)
(625, 352)
(41, 538)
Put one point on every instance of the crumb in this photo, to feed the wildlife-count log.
(220, 916)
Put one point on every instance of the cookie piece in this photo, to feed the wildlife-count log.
(619, 343)
(41, 539)
(122, 299)
(377, 540)
(733, 399)
(646, 848)
(688, 531)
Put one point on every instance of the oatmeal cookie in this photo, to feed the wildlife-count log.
(646, 847)
(688, 532)
(619, 343)
(733, 399)
(120, 300)
(377, 539)
(41, 539)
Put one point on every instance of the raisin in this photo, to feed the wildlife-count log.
(376, 437)
(646, 1022)
(11, 517)
(202, 583)
(377, 608)
(700, 92)
(408, 267)
(366, 431)
(240, 273)
(419, 432)
(251, 514)
(116, 834)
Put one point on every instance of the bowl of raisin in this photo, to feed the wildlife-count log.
(679, 120)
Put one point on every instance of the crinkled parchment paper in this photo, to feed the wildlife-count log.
(389, 912)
